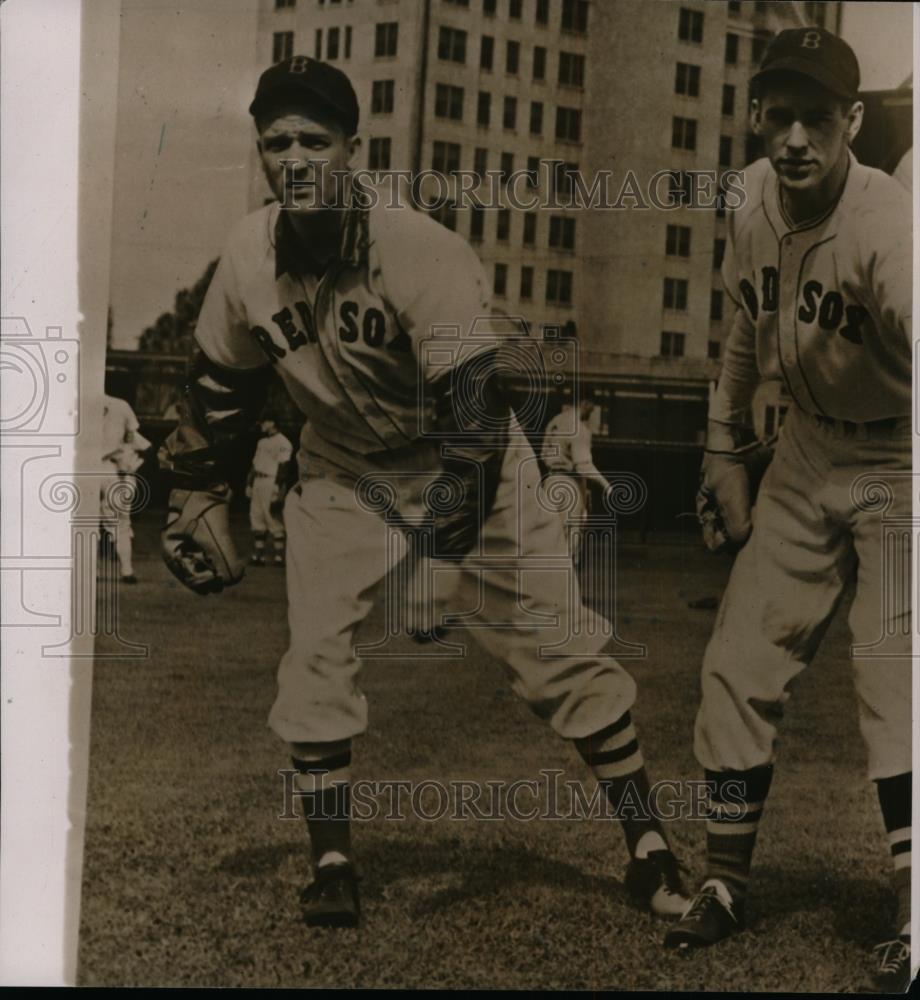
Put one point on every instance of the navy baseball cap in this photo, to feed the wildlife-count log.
(815, 53)
(316, 83)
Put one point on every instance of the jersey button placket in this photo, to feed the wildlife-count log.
(790, 260)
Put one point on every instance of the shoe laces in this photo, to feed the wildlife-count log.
(892, 955)
(703, 901)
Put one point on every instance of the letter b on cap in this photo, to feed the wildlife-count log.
(299, 64)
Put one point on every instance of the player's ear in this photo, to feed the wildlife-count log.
(756, 116)
(352, 149)
(854, 119)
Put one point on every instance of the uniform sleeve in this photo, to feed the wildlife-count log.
(889, 269)
(222, 330)
(582, 459)
(285, 450)
(740, 376)
(432, 278)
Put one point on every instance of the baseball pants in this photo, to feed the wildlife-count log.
(337, 558)
(261, 518)
(818, 524)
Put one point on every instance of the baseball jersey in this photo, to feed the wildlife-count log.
(352, 345)
(118, 422)
(270, 453)
(566, 452)
(825, 306)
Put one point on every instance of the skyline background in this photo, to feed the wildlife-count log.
(187, 72)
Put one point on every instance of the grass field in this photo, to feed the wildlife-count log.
(191, 879)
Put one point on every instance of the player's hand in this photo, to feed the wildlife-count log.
(729, 479)
(197, 547)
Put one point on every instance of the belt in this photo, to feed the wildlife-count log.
(264, 475)
(862, 431)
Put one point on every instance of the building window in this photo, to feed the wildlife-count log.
(683, 133)
(530, 229)
(503, 227)
(533, 171)
(448, 101)
(282, 45)
(714, 350)
(725, 151)
(571, 69)
(672, 344)
(514, 9)
(509, 113)
(446, 215)
(318, 44)
(488, 7)
(480, 162)
(568, 124)
(484, 108)
(677, 241)
(541, 16)
(731, 49)
(558, 287)
(446, 157)
(539, 62)
(477, 223)
(575, 15)
(348, 42)
(690, 25)
(758, 45)
(459, 3)
(332, 44)
(506, 167)
(500, 283)
(281, 4)
(718, 253)
(562, 232)
(381, 97)
(728, 100)
(715, 304)
(386, 36)
(526, 282)
(687, 81)
(675, 293)
(451, 44)
(378, 154)
(512, 57)
(816, 13)
(734, 7)
(536, 117)
(486, 52)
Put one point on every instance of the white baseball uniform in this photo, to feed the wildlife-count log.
(271, 453)
(119, 457)
(351, 347)
(826, 307)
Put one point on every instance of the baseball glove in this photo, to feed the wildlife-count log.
(197, 546)
(729, 479)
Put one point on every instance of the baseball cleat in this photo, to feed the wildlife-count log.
(892, 971)
(655, 884)
(129, 578)
(331, 900)
(711, 916)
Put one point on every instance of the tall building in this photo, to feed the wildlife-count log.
(556, 86)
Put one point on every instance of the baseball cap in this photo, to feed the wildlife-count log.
(815, 53)
(317, 83)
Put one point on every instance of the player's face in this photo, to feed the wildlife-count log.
(806, 132)
(322, 151)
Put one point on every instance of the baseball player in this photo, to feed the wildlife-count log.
(265, 482)
(818, 264)
(339, 297)
(570, 456)
(121, 443)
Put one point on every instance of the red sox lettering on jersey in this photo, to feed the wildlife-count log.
(346, 345)
(826, 304)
